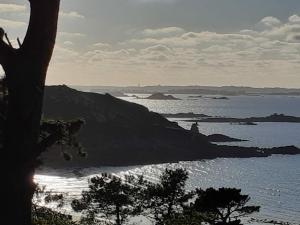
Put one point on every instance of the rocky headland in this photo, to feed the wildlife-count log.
(120, 133)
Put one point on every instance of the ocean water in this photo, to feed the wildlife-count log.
(262, 135)
(273, 182)
(235, 106)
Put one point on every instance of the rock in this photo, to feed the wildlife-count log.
(222, 138)
(194, 128)
(220, 98)
(160, 96)
(195, 96)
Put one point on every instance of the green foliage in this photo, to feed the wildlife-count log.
(110, 196)
(167, 198)
(223, 206)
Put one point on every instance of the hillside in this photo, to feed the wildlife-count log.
(122, 133)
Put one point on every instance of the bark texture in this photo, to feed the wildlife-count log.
(25, 69)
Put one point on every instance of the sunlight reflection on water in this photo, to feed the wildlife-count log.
(278, 193)
(273, 183)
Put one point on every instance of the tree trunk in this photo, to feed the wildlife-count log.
(25, 70)
(118, 216)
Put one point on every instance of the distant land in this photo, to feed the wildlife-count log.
(274, 118)
(197, 90)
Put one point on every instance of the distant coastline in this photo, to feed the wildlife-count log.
(195, 90)
(202, 118)
(274, 118)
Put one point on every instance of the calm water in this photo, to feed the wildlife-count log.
(236, 106)
(273, 183)
(263, 135)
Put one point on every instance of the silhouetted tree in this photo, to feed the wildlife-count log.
(25, 69)
(167, 198)
(223, 206)
(112, 197)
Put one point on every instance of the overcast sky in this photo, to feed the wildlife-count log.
(171, 42)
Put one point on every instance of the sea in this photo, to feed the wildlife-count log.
(272, 183)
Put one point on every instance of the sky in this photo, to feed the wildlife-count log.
(170, 42)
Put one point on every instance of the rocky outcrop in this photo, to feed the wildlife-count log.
(222, 138)
(161, 96)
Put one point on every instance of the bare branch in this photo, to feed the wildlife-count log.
(7, 39)
(6, 50)
(19, 42)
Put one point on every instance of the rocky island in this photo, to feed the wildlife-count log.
(161, 96)
(220, 98)
(120, 133)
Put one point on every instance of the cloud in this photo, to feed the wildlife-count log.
(9, 8)
(11, 24)
(268, 22)
(217, 48)
(101, 45)
(108, 56)
(71, 15)
(68, 43)
(158, 48)
(154, 1)
(69, 35)
(294, 19)
(163, 32)
(283, 33)
(271, 50)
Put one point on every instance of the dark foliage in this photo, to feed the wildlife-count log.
(223, 206)
(166, 202)
(112, 197)
(168, 197)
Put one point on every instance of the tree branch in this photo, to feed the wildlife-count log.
(6, 51)
(47, 142)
